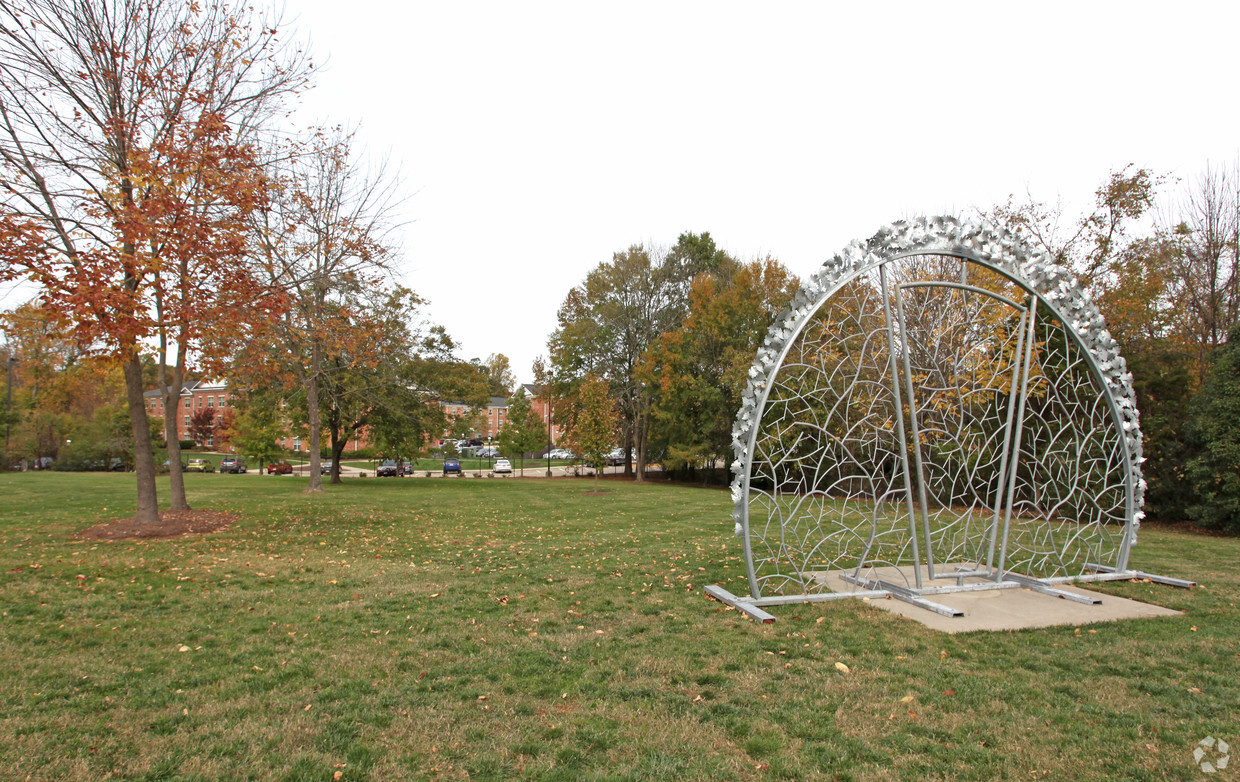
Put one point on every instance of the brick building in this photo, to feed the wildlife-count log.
(487, 426)
(196, 395)
(539, 405)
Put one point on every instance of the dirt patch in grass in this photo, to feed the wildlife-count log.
(173, 524)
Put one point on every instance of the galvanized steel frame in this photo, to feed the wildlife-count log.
(1044, 286)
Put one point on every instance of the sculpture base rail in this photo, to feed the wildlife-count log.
(879, 589)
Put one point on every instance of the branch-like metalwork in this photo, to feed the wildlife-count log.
(938, 400)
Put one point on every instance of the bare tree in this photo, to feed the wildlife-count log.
(107, 109)
(326, 242)
(1089, 243)
(1204, 233)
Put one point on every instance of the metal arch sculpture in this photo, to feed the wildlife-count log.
(941, 409)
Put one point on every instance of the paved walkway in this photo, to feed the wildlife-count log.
(1006, 609)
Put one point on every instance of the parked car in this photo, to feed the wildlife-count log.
(325, 467)
(503, 465)
(199, 465)
(388, 469)
(406, 468)
(232, 464)
(279, 468)
(451, 465)
(616, 457)
(488, 453)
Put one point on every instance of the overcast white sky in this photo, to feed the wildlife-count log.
(536, 139)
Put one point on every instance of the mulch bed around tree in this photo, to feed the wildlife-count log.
(173, 524)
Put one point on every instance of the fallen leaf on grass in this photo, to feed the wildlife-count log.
(841, 667)
(949, 692)
(182, 648)
(907, 699)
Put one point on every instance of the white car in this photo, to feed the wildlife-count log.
(503, 465)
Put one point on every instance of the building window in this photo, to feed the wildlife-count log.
(210, 401)
(187, 403)
(187, 422)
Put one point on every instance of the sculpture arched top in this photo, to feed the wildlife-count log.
(828, 437)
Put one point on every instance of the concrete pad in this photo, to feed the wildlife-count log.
(999, 609)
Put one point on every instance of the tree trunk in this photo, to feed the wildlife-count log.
(643, 431)
(171, 394)
(143, 457)
(628, 449)
(177, 482)
(312, 420)
(337, 455)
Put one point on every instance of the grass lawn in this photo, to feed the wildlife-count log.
(530, 630)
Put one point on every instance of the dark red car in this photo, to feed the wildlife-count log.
(279, 468)
(389, 469)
